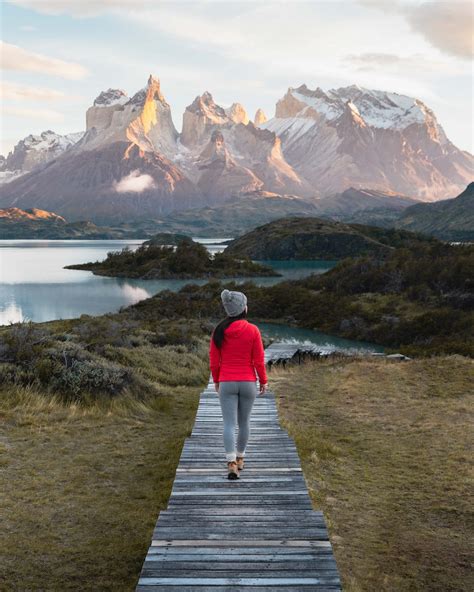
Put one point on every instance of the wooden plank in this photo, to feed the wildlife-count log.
(261, 526)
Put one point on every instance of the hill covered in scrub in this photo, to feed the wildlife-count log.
(315, 238)
(155, 260)
(419, 301)
(450, 219)
(33, 223)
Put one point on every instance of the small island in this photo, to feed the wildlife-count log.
(174, 257)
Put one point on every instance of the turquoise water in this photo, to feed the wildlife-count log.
(279, 332)
(35, 286)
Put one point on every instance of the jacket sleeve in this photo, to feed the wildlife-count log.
(258, 357)
(214, 360)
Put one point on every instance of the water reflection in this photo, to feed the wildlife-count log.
(35, 286)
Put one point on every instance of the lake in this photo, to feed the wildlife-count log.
(35, 286)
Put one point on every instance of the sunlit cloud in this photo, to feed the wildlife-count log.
(445, 24)
(19, 92)
(17, 58)
(135, 182)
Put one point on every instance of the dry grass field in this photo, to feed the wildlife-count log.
(386, 449)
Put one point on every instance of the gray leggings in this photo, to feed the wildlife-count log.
(236, 399)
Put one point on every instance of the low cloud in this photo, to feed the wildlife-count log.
(135, 182)
(19, 92)
(19, 59)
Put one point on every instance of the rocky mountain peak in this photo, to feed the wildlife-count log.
(260, 117)
(109, 97)
(154, 89)
(38, 149)
(237, 113)
(200, 118)
(205, 106)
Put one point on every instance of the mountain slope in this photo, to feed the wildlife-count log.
(366, 138)
(449, 219)
(131, 163)
(34, 151)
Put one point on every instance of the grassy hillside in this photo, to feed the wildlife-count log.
(152, 260)
(450, 219)
(384, 449)
(82, 485)
(314, 238)
(94, 412)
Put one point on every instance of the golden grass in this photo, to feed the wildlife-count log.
(82, 486)
(386, 450)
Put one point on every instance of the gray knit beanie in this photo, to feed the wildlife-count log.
(234, 302)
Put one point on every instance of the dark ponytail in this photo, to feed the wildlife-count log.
(218, 334)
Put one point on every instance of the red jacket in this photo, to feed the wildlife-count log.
(241, 355)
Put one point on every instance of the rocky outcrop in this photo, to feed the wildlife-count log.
(261, 149)
(32, 214)
(237, 114)
(144, 120)
(219, 172)
(260, 117)
(200, 119)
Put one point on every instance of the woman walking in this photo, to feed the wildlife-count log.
(236, 359)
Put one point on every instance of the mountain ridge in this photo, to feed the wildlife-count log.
(131, 161)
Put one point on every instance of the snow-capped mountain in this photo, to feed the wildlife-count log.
(131, 162)
(358, 137)
(35, 150)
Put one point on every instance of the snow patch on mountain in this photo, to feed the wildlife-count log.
(112, 96)
(379, 109)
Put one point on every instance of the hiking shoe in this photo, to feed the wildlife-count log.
(233, 470)
(240, 462)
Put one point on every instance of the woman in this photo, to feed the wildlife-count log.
(236, 359)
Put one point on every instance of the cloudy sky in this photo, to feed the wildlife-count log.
(57, 55)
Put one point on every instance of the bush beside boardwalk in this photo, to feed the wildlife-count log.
(94, 415)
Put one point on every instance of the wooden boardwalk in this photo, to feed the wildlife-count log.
(255, 534)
